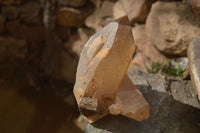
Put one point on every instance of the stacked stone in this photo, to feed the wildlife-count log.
(161, 29)
(23, 30)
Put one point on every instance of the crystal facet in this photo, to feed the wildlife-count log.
(102, 86)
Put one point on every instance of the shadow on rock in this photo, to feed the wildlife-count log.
(166, 115)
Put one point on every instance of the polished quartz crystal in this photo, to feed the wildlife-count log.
(102, 86)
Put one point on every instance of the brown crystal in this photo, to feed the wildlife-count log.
(102, 86)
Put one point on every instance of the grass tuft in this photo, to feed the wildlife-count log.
(166, 68)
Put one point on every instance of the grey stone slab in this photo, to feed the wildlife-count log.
(174, 108)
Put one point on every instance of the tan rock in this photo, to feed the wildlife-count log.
(194, 62)
(167, 26)
(2, 22)
(18, 30)
(96, 3)
(141, 62)
(137, 10)
(101, 83)
(145, 46)
(93, 21)
(118, 10)
(76, 16)
(101, 16)
(146, 52)
(63, 15)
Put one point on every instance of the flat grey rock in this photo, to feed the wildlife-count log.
(174, 108)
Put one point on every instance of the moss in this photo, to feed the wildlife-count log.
(166, 68)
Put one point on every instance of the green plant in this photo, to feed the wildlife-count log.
(155, 67)
(180, 71)
(166, 68)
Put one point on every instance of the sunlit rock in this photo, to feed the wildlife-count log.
(194, 61)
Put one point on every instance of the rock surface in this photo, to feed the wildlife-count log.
(118, 10)
(65, 13)
(167, 26)
(195, 4)
(145, 45)
(194, 61)
(137, 10)
(102, 86)
(146, 52)
(77, 17)
(141, 62)
(172, 103)
(29, 12)
(96, 3)
(101, 16)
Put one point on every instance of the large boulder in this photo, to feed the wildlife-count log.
(171, 26)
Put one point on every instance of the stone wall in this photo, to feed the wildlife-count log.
(48, 35)
(40, 33)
